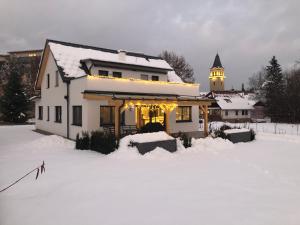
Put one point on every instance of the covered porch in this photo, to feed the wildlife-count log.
(152, 108)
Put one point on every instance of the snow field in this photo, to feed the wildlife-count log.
(213, 182)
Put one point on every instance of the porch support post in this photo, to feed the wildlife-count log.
(138, 115)
(168, 121)
(205, 120)
(118, 106)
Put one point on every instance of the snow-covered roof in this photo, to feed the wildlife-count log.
(173, 77)
(68, 57)
(236, 101)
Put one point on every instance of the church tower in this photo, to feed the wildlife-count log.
(217, 77)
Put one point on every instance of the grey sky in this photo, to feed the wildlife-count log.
(245, 33)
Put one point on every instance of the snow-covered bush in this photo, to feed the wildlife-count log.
(83, 142)
(104, 143)
(152, 127)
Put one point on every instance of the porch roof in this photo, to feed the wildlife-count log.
(147, 96)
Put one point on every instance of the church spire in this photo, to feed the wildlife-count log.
(217, 62)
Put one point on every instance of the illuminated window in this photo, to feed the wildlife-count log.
(117, 74)
(107, 115)
(77, 115)
(103, 72)
(144, 77)
(184, 114)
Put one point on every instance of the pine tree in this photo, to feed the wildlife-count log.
(14, 103)
(275, 91)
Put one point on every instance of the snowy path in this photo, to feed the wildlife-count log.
(214, 182)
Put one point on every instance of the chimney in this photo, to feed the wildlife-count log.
(122, 55)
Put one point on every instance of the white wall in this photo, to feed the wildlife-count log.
(130, 73)
(232, 115)
(185, 126)
(53, 96)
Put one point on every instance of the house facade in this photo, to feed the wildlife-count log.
(85, 88)
(231, 107)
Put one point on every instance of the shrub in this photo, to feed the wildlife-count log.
(152, 127)
(83, 142)
(186, 141)
(252, 134)
(104, 143)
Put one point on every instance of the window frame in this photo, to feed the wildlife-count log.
(48, 81)
(154, 77)
(111, 114)
(58, 114)
(48, 113)
(56, 78)
(119, 74)
(144, 75)
(76, 121)
(40, 112)
(103, 74)
(181, 109)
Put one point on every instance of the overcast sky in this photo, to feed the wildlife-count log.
(245, 33)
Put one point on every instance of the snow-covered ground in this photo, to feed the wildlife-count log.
(214, 182)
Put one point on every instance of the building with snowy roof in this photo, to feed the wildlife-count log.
(86, 88)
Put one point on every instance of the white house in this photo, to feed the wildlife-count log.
(231, 106)
(85, 88)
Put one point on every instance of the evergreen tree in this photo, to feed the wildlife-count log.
(180, 66)
(14, 103)
(275, 91)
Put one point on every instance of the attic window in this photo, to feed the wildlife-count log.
(103, 72)
(227, 100)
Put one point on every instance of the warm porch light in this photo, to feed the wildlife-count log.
(95, 77)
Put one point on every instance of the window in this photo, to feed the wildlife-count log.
(117, 74)
(56, 78)
(144, 77)
(155, 78)
(103, 72)
(48, 113)
(246, 112)
(58, 114)
(184, 114)
(107, 115)
(48, 80)
(236, 112)
(243, 112)
(40, 113)
(226, 112)
(77, 115)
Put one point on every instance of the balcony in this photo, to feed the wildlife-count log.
(103, 83)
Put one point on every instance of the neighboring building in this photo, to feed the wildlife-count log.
(217, 75)
(85, 88)
(231, 107)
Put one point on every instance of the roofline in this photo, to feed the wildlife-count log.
(102, 49)
(95, 61)
(24, 51)
(176, 97)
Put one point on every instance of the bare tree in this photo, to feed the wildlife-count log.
(180, 66)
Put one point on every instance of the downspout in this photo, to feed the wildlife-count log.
(67, 97)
